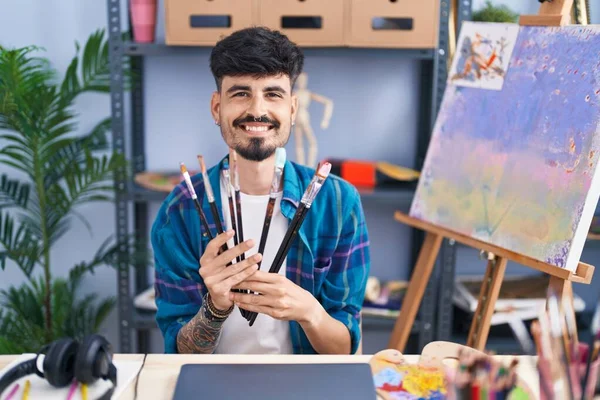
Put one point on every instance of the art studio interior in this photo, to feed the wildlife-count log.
(201, 192)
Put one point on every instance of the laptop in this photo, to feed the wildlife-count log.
(275, 381)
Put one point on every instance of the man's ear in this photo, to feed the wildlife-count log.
(215, 105)
(294, 107)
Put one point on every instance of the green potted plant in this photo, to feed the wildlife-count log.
(492, 13)
(59, 169)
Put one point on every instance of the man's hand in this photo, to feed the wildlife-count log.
(219, 278)
(279, 297)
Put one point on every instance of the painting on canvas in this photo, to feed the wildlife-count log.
(484, 50)
(517, 166)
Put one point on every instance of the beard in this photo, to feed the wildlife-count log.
(255, 148)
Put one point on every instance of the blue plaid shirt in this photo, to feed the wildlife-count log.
(329, 257)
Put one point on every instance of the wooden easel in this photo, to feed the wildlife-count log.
(553, 13)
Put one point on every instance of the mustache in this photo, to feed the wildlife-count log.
(263, 119)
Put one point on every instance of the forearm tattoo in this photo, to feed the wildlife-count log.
(200, 335)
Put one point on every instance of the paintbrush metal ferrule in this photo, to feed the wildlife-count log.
(227, 178)
(315, 185)
(280, 157)
(188, 180)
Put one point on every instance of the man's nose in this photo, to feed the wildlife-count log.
(257, 107)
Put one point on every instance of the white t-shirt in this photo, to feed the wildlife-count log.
(267, 335)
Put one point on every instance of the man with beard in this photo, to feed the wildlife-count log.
(313, 304)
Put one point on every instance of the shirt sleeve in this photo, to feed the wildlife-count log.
(344, 287)
(178, 286)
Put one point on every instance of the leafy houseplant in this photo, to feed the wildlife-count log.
(61, 171)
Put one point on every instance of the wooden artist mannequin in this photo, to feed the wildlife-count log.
(303, 128)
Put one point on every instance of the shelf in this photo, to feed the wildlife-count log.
(144, 319)
(161, 49)
(400, 195)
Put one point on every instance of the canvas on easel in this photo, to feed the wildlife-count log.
(512, 165)
(513, 158)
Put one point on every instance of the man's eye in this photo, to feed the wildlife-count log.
(273, 94)
(240, 94)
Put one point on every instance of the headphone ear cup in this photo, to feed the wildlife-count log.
(59, 362)
(93, 359)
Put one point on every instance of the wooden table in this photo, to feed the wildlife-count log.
(159, 374)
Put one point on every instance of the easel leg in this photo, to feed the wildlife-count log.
(561, 287)
(415, 291)
(490, 288)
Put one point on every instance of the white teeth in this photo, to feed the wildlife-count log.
(257, 128)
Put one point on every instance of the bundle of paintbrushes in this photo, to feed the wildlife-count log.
(568, 369)
(480, 376)
(305, 203)
(280, 158)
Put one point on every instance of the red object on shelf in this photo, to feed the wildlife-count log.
(143, 20)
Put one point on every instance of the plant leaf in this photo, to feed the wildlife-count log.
(18, 244)
(13, 192)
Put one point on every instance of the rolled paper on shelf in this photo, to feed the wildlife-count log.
(373, 289)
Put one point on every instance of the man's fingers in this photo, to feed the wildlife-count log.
(273, 312)
(215, 244)
(255, 299)
(238, 267)
(259, 287)
(265, 276)
(231, 254)
(237, 278)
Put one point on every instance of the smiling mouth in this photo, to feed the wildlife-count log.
(256, 127)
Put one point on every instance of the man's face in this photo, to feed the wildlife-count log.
(255, 114)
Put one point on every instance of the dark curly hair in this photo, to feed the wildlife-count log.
(256, 51)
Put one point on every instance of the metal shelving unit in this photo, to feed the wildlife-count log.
(132, 200)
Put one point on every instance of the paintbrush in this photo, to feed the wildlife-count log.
(211, 202)
(305, 203)
(280, 156)
(594, 327)
(227, 177)
(192, 191)
(238, 200)
(559, 339)
(540, 346)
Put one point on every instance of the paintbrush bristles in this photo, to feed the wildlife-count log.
(280, 157)
(188, 180)
(202, 165)
(324, 170)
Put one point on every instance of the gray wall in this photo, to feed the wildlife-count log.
(376, 99)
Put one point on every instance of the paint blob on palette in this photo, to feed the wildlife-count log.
(517, 167)
(483, 55)
(408, 381)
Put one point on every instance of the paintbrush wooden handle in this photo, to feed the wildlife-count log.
(240, 232)
(203, 219)
(286, 243)
(266, 227)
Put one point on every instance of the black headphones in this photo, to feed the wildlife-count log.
(66, 359)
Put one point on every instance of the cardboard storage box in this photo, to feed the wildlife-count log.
(204, 22)
(306, 22)
(392, 23)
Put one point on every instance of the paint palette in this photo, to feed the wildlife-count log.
(396, 379)
(432, 378)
